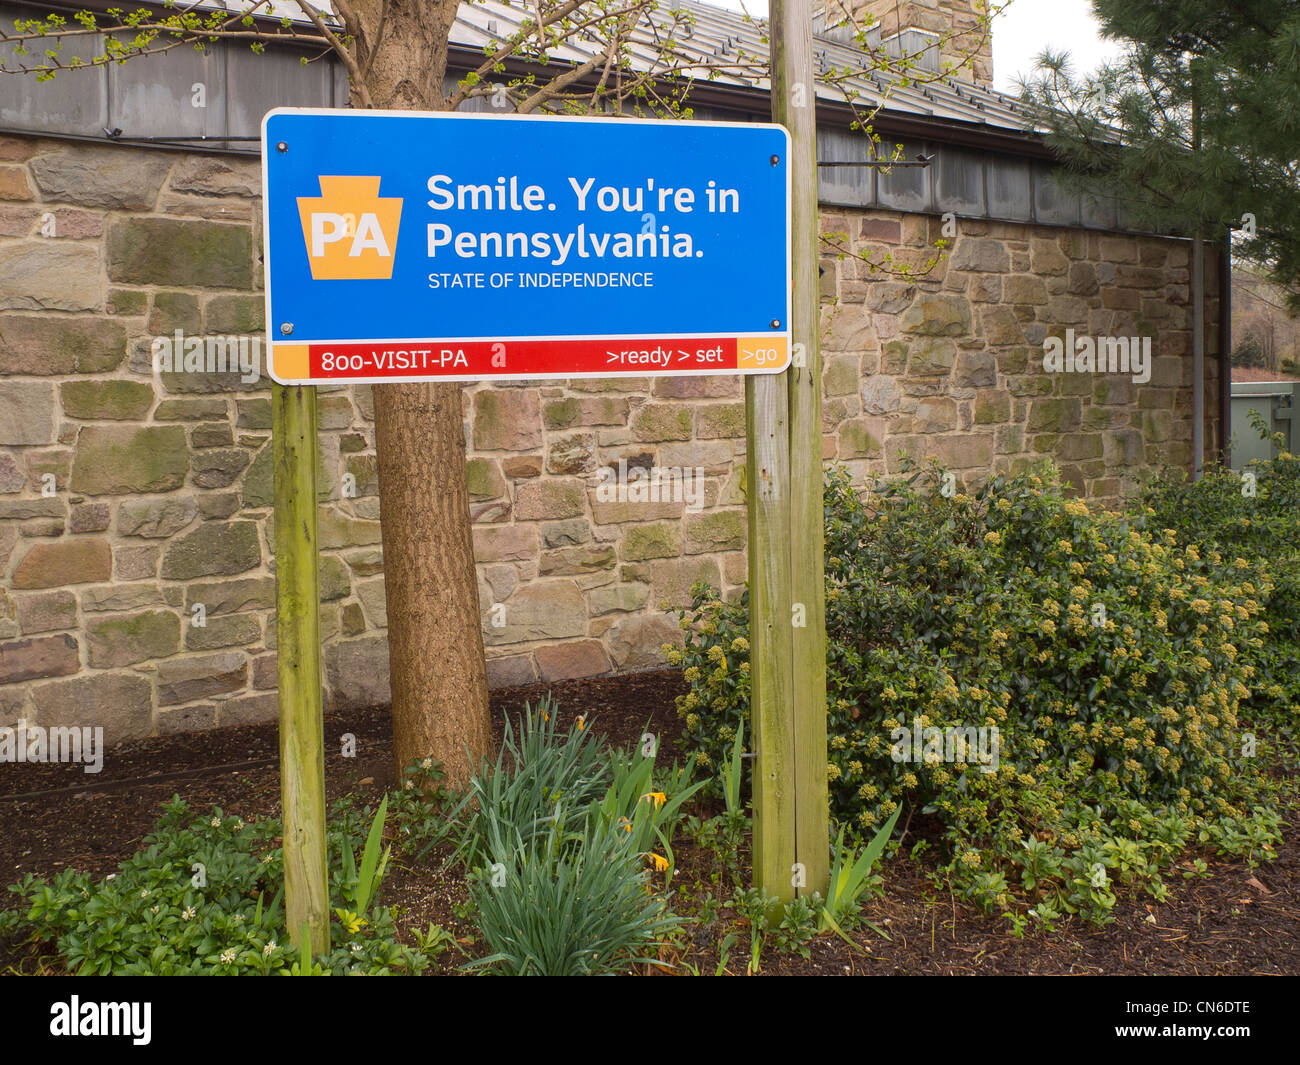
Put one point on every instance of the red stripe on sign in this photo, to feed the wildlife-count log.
(487, 359)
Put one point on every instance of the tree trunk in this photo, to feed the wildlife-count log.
(435, 636)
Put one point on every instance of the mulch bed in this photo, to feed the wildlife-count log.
(1240, 921)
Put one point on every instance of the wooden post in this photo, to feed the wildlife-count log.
(797, 111)
(787, 598)
(297, 592)
(767, 477)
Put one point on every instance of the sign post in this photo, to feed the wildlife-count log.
(405, 246)
(793, 47)
(788, 618)
(298, 666)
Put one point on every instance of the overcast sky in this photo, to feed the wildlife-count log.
(1021, 33)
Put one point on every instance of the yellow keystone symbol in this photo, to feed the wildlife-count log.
(350, 232)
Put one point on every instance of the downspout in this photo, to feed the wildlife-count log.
(1198, 357)
(1198, 318)
(1225, 350)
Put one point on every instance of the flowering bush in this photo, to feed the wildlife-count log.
(1248, 522)
(1105, 661)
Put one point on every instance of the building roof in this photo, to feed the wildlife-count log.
(734, 46)
(967, 150)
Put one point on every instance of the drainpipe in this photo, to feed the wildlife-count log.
(1198, 357)
(1225, 350)
(1198, 316)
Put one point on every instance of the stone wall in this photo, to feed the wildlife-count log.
(129, 497)
(952, 366)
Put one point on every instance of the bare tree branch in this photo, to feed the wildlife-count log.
(153, 36)
(557, 85)
(508, 48)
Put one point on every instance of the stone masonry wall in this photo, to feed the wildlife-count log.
(952, 367)
(128, 497)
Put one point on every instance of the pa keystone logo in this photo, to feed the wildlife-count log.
(350, 232)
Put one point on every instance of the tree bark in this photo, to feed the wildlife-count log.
(435, 635)
(401, 49)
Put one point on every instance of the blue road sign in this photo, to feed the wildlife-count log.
(413, 246)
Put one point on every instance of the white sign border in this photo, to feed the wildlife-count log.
(271, 341)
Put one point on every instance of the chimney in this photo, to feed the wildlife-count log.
(919, 28)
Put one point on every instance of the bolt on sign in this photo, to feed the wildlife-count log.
(403, 246)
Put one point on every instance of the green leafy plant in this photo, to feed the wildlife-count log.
(360, 886)
(1110, 661)
(735, 820)
(560, 843)
(435, 941)
(648, 817)
(754, 907)
(799, 924)
(851, 877)
(203, 896)
(724, 953)
(422, 809)
(733, 775)
(721, 837)
(1244, 526)
(568, 904)
(540, 771)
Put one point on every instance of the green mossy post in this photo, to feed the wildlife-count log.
(767, 477)
(302, 746)
(793, 68)
(784, 474)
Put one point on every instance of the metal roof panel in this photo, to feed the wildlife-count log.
(733, 46)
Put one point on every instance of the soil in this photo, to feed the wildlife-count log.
(1238, 921)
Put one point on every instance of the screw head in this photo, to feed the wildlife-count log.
(286, 328)
(282, 147)
(775, 160)
(776, 323)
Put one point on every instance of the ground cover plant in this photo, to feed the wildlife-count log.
(908, 918)
(1111, 659)
(203, 897)
(562, 853)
